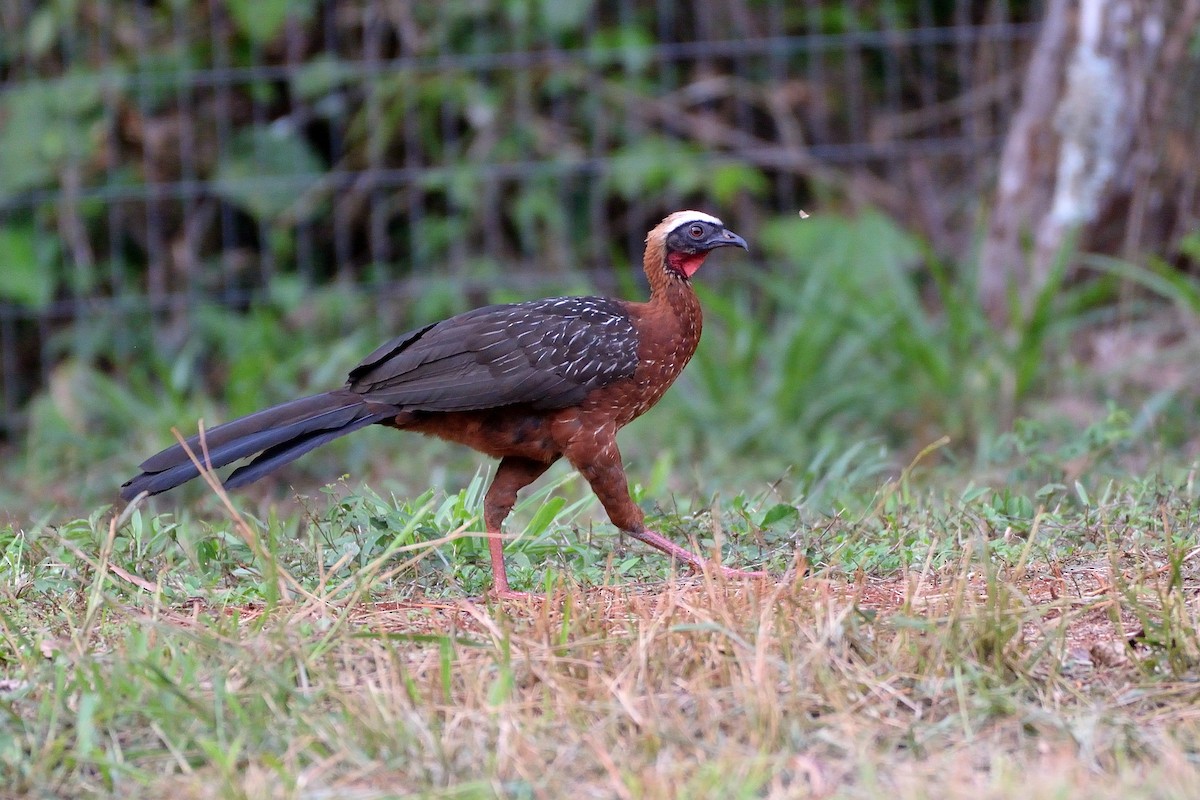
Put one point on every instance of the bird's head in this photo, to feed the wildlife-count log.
(687, 237)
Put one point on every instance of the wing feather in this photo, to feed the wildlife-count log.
(546, 353)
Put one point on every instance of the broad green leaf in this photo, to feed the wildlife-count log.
(44, 125)
(728, 180)
(780, 513)
(267, 169)
(544, 516)
(42, 31)
(869, 245)
(261, 20)
(320, 76)
(1189, 245)
(563, 16)
(628, 47)
(653, 165)
(23, 278)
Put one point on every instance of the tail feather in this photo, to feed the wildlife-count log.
(267, 420)
(281, 434)
(275, 457)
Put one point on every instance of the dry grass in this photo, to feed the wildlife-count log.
(955, 682)
(1057, 662)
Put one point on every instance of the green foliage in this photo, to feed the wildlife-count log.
(628, 47)
(280, 136)
(854, 340)
(822, 368)
(162, 655)
(47, 126)
(1047, 455)
(261, 20)
(28, 277)
(268, 171)
(137, 99)
(80, 431)
(559, 17)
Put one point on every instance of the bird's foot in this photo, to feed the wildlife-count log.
(505, 595)
(664, 544)
(512, 594)
(741, 574)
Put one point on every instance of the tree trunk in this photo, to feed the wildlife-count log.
(1074, 145)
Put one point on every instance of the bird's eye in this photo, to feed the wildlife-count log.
(696, 231)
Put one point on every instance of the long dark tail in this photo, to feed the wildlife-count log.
(279, 435)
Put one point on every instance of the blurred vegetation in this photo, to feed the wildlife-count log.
(825, 375)
(207, 208)
(160, 154)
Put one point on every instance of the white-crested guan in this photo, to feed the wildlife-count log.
(527, 383)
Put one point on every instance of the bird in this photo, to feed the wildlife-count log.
(528, 383)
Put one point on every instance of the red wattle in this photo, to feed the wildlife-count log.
(687, 263)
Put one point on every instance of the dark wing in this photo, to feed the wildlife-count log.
(546, 353)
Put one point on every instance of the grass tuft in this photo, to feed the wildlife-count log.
(914, 644)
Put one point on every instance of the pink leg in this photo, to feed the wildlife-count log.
(686, 556)
(599, 461)
(499, 574)
(513, 475)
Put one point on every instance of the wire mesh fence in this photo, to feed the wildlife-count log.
(157, 155)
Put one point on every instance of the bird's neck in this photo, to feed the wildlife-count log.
(672, 295)
(669, 274)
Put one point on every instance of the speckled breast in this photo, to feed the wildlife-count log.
(668, 340)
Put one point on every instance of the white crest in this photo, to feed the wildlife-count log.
(681, 218)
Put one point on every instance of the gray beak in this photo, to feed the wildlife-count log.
(727, 238)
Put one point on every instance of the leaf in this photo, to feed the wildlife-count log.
(42, 31)
(23, 279)
(261, 20)
(563, 16)
(781, 512)
(319, 77)
(1189, 245)
(628, 47)
(653, 165)
(728, 180)
(45, 125)
(267, 169)
(544, 516)
(861, 250)
(87, 736)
